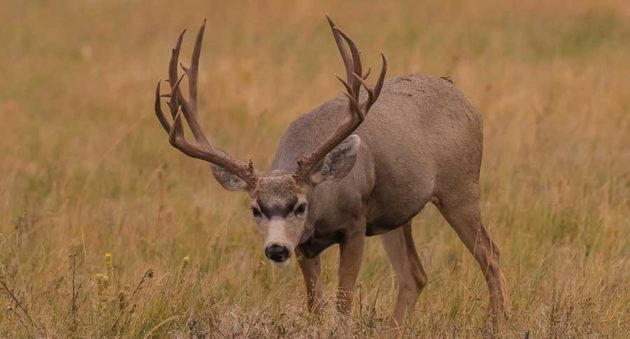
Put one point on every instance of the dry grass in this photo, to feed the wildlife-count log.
(85, 169)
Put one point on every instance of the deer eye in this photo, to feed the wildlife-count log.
(300, 209)
(256, 212)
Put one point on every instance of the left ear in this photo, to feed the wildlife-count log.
(228, 180)
(338, 162)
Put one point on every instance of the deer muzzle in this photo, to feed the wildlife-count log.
(279, 241)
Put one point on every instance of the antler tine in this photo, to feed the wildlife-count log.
(158, 110)
(347, 60)
(381, 78)
(172, 73)
(356, 63)
(345, 84)
(189, 107)
(201, 148)
(194, 66)
(193, 71)
(367, 74)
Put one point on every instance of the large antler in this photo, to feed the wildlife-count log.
(355, 79)
(201, 148)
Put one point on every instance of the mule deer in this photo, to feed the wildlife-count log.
(339, 174)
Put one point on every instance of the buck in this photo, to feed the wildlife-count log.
(359, 165)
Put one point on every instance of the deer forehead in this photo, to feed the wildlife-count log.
(277, 190)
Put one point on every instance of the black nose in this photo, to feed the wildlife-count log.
(277, 253)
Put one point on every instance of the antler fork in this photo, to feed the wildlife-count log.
(355, 79)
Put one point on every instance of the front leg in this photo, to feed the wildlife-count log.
(311, 270)
(350, 257)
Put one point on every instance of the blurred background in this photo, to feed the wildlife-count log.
(86, 170)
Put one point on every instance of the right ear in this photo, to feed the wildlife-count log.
(338, 162)
(228, 180)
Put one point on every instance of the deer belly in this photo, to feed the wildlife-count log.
(385, 222)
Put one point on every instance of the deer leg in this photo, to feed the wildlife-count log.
(462, 212)
(311, 270)
(350, 257)
(404, 259)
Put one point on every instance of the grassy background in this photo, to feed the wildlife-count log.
(85, 168)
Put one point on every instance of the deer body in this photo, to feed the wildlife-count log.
(413, 141)
(339, 175)
(438, 133)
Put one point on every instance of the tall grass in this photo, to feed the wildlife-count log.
(85, 169)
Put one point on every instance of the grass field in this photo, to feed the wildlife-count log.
(85, 169)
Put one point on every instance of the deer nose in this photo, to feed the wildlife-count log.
(277, 252)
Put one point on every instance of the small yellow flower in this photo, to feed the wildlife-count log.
(184, 263)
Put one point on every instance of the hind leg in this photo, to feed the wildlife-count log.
(461, 210)
(405, 261)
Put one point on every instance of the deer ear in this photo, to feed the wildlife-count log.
(228, 180)
(338, 162)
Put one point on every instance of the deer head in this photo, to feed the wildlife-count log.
(279, 198)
